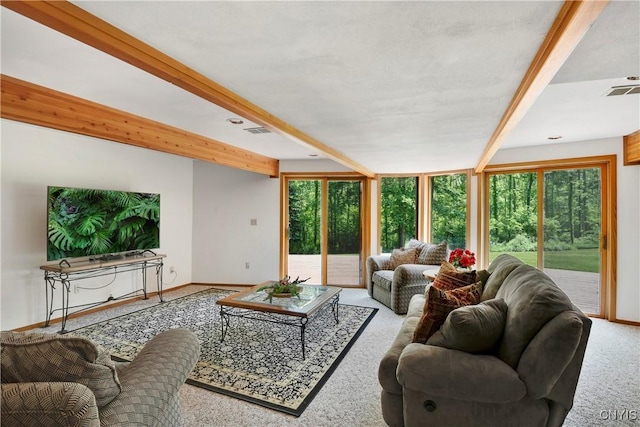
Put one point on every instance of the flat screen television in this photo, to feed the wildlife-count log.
(85, 222)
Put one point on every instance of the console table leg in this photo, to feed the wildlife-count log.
(159, 280)
(66, 291)
(144, 280)
(49, 287)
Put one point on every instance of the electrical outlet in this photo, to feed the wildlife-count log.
(76, 289)
(246, 265)
(172, 270)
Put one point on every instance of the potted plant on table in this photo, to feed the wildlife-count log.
(283, 288)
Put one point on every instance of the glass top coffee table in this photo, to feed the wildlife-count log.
(292, 311)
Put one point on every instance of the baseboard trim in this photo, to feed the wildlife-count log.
(627, 322)
(226, 285)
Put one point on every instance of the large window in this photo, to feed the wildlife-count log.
(398, 211)
(448, 216)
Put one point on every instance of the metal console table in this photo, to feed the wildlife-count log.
(65, 273)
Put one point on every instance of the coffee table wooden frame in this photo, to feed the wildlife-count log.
(234, 306)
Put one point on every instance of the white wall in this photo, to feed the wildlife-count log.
(207, 211)
(33, 158)
(628, 249)
(318, 165)
(225, 201)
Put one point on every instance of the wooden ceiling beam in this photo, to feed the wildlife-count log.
(77, 23)
(572, 23)
(37, 105)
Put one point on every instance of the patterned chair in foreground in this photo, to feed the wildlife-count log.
(62, 380)
(394, 278)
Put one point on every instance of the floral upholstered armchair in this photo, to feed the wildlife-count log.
(394, 278)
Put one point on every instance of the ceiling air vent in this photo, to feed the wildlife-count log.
(624, 90)
(257, 130)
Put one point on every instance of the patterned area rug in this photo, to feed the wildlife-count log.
(258, 361)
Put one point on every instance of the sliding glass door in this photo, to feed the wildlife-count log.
(552, 218)
(344, 235)
(324, 230)
(572, 229)
(305, 229)
(513, 216)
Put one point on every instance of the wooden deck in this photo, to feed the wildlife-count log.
(583, 288)
(344, 270)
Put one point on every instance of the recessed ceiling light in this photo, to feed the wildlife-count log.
(554, 137)
(235, 121)
(313, 155)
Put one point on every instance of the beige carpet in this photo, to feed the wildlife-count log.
(609, 383)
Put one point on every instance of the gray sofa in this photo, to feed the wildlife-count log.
(395, 287)
(54, 380)
(528, 378)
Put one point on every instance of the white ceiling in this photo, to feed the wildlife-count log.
(395, 86)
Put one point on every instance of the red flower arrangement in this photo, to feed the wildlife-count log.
(462, 258)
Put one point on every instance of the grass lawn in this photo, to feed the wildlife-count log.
(576, 260)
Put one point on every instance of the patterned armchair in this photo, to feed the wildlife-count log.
(394, 278)
(49, 379)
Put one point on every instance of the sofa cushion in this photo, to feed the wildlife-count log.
(416, 305)
(498, 270)
(482, 276)
(38, 357)
(383, 278)
(533, 299)
(449, 278)
(438, 304)
(466, 295)
(403, 256)
(431, 254)
(415, 243)
(473, 328)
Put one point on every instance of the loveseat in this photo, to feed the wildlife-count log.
(62, 380)
(393, 279)
(521, 371)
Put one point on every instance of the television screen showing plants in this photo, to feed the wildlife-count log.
(84, 222)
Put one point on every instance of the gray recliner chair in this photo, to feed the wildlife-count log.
(528, 378)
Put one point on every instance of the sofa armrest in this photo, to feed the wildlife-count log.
(549, 353)
(49, 403)
(410, 274)
(152, 380)
(381, 262)
(376, 263)
(458, 375)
